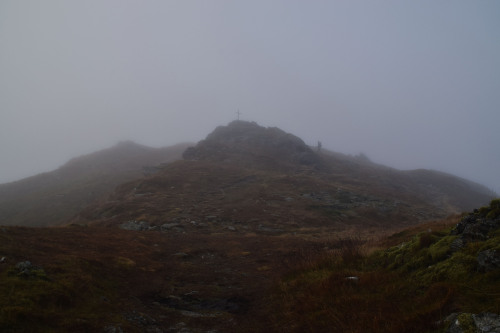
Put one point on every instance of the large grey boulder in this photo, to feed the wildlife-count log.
(484, 322)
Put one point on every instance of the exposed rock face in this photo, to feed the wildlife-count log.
(487, 322)
(248, 142)
(476, 227)
(473, 323)
(488, 260)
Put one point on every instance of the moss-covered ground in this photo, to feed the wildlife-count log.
(409, 287)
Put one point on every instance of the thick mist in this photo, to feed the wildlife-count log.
(410, 84)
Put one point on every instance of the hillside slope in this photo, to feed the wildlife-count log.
(247, 178)
(94, 279)
(443, 276)
(53, 197)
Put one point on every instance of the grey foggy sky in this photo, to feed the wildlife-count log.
(412, 84)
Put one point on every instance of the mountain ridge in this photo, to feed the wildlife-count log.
(254, 241)
(51, 198)
(254, 179)
(329, 186)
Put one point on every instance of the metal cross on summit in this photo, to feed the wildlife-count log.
(238, 113)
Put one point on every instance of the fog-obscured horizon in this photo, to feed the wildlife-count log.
(409, 84)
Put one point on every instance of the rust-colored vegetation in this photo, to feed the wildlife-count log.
(409, 287)
(94, 278)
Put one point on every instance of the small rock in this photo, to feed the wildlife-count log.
(135, 225)
(27, 269)
(180, 328)
(168, 226)
(457, 244)
(354, 279)
(24, 267)
(194, 314)
(140, 318)
(2, 259)
(113, 329)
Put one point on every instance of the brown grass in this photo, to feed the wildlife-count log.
(98, 276)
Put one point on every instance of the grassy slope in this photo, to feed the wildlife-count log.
(90, 278)
(52, 198)
(344, 195)
(409, 287)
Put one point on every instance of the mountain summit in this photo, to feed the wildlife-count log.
(248, 144)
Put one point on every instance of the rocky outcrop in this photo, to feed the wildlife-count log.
(26, 269)
(247, 142)
(473, 227)
(488, 260)
(476, 226)
(473, 323)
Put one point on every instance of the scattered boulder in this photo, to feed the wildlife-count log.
(146, 322)
(180, 328)
(170, 226)
(24, 267)
(27, 270)
(135, 225)
(113, 329)
(488, 260)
